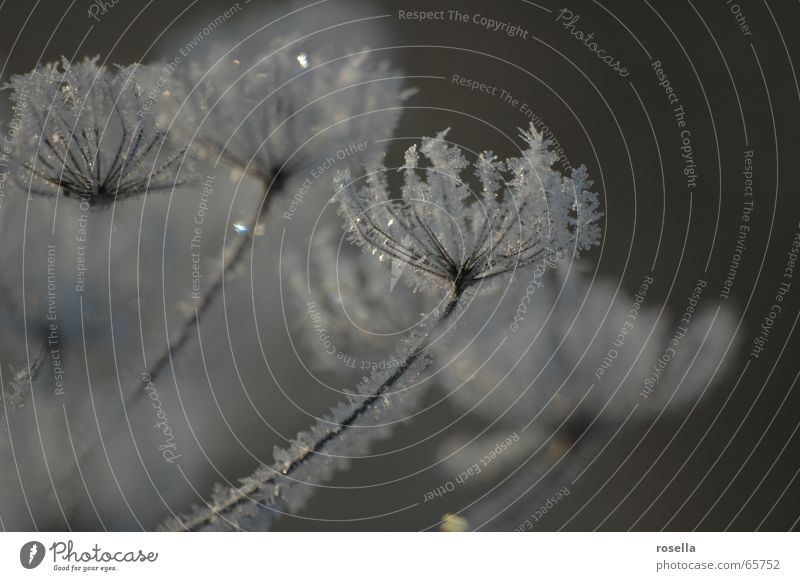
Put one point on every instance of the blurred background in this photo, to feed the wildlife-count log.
(721, 454)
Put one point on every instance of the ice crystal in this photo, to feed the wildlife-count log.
(447, 233)
(89, 132)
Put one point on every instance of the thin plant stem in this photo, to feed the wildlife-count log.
(233, 257)
(243, 493)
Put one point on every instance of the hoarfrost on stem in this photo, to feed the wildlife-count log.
(547, 369)
(345, 432)
(543, 382)
(453, 236)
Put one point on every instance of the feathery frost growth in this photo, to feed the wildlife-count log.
(344, 433)
(89, 133)
(262, 112)
(552, 213)
(456, 237)
(553, 381)
(258, 111)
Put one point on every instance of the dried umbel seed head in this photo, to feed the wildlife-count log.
(264, 111)
(450, 234)
(88, 132)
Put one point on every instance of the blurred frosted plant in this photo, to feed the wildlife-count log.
(14, 396)
(261, 112)
(345, 432)
(257, 112)
(553, 214)
(543, 381)
(547, 369)
(89, 133)
(459, 239)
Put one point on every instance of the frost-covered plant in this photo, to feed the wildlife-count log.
(257, 111)
(14, 395)
(455, 237)
(554, 214)
(88, 132)
(558, 360)
(267, 112)
(553, 379)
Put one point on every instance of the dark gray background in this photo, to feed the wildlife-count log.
(603, 125)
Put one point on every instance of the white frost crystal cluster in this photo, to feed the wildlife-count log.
(89, 132)
(460, 238)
